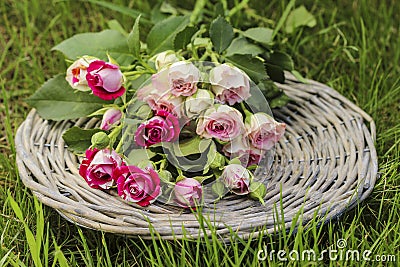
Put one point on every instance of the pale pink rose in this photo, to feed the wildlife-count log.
(140, 186)
(263, 131)
(188, 192)
(163, 127)
(241, 148)
(179, 79)
(229, 84)
(160, 98)
(105, 80)
(98, 167)
(236, 178)
(222, 122)
(195, 104)
(111, 118)
(168, 103)
(165, 58)
(76, 73)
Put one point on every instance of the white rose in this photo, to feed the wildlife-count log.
(229, 84)
(76, 73)
(197, 103)
(165, 58)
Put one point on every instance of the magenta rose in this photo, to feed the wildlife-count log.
(105, 80)
(236, 178)
(188, 192)
(245, 152)
(222, 122)
(164, 127)
(98, 167)
(263, 131)
(137, 185)
(229, 84)
(110, 118)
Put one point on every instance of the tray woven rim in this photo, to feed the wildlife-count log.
(311, 173)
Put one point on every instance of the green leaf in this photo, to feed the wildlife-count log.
(299, 17)
(161, 36)
(219, 189)
(280, 101)
(195, 145)
(136, 156)
(282, 60)
(259, 34)
(241, 46)
(275, 73)
(97, 44)
(221, 34)
(121, 9)
(116, 26)
(134, 39)
(258, 191)
(184, 37)
(252, 66)
(56, 100)
(78, 140)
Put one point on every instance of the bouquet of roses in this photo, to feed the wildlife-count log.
(182, 123)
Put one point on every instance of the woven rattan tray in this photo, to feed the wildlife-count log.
(325, 164)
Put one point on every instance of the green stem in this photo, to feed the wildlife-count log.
(238, 7)
(198, 9)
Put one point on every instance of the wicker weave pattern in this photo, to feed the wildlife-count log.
(325, 164)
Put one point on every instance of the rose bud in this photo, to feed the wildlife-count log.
(100, 140)
(223, 122)
(236, 178)
(188, 192)
(165, 58)
(140, 186)
(76, 73)
(229, 84)
(98, 167)
(241, 148)
(110, 118)
(164, 127)
(197, 103)
(263, 131)
(105, 80)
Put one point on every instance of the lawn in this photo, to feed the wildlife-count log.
(354, 48)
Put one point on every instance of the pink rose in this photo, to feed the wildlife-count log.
(110, 118)
(183, 78)
(164, 127)
(76, 73)
(241, 149)
(263, 131)
(229, 84)
(222, 122)
(137, 185)
(105, 80)
(188, 192)
(160, 100)
(98, 167)
(236, 178)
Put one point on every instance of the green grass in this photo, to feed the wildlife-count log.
(354, 48)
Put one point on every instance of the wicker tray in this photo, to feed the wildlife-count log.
(325, 164)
